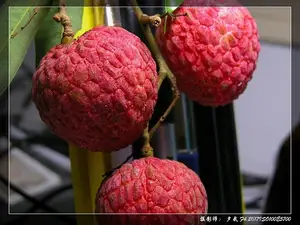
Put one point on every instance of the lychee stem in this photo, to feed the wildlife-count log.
(146, 150)
(164, 70)
(176, 96)
(63, 18)
(155, 20)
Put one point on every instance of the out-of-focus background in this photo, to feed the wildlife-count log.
(40, 163)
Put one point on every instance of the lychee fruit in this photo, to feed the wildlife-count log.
(98, 92)
(155, 191)
(212, 51)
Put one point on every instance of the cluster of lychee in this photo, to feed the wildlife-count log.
(100, 91)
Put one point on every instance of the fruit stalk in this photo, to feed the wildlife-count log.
(63, 18)
(147, 150)
(164, 71)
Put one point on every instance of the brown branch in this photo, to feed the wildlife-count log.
(164, 71)
(155, 20)
(176, 96)
(63, 18)
(35, 12)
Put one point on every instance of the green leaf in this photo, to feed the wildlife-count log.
(171, 5)
(22, 28)
(50, 33)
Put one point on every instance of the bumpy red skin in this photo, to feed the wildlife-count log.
(212, 52)
(98, 92)
(152, 185)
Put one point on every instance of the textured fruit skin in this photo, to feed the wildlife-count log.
(212, 52)
(152, 185)
(98, 92)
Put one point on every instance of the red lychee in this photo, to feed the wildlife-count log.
(98, 92)
(212, 51)
(152, 186)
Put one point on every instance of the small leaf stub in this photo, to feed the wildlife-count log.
(171, 6)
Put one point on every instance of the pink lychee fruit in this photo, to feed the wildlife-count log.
(98, 92)
(212, 51)
(160, 187)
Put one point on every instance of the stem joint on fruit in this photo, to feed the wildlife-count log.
(147, 150)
